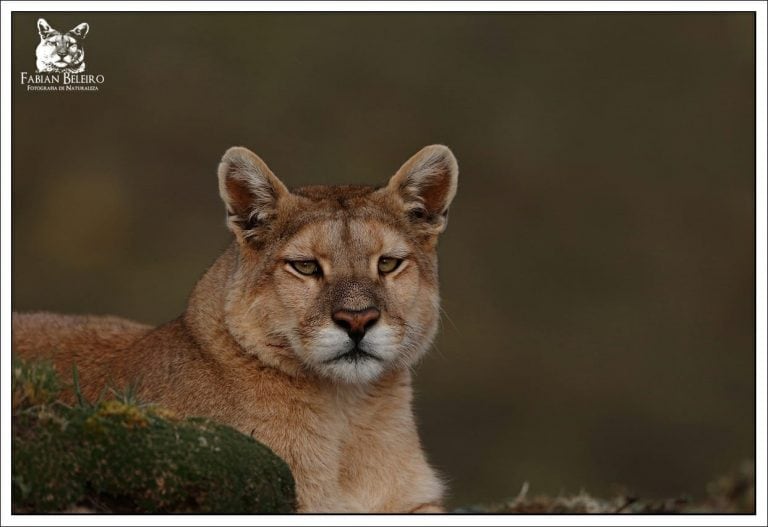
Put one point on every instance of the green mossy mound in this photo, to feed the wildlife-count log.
(119, 456)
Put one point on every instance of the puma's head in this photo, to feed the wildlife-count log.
(340, 281)
(60, 51)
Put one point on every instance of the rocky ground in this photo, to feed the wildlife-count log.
(730, 494)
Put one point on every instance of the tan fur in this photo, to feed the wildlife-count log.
(257, 347)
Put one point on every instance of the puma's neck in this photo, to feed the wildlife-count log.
(205, 312)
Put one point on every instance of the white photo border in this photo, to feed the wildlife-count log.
(6, 78)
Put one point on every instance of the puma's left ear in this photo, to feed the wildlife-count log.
(80, 30)
(427, 183)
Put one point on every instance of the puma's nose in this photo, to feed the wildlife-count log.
(356, 323)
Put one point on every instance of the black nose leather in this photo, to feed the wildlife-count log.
(356, 323)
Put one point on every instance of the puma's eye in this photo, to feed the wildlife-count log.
(307, 267)
(387, 265)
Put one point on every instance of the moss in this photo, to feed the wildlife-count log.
(33, 384)
(123, 457)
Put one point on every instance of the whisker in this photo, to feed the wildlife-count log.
(448, 317)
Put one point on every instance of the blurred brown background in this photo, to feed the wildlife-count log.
(598, 270)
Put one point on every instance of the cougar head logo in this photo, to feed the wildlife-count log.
(60, 51)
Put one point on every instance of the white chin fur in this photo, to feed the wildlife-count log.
(331, 342)
(358, 372)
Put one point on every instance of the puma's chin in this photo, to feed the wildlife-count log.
(333, 354)
(353, 369)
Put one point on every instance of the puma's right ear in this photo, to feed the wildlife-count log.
(426, 184)
(250, 191)
(80, 30)
(44, 28)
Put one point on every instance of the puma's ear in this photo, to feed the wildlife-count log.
(44, 28)
(427, 184)
(80, 30)
(250, 191)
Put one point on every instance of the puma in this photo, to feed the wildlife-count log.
(302, 333)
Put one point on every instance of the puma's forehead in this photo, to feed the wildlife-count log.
(345, 241)
(59, 37)
(341, 202)
(334, 222)
(337, 209)
(335, 195)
